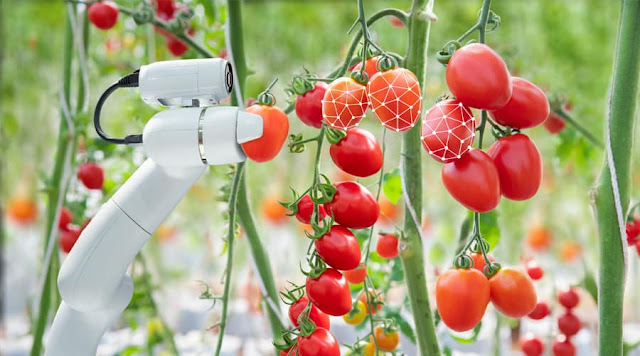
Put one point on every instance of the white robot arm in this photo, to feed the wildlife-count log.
(179, 143)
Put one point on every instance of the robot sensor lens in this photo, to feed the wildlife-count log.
(229, 78)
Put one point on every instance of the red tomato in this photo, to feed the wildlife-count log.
(562, 346)
(91, 175)
(528, 106)
(164, 9)
(531, 345)
(305, 210)
(395, 98)
(316, 315)
(540, 311)
(68, 238)
(387, 246)
(370, 67)
(330, 292)
(275, 128)
(554, 124)
(358, 154)
(396, 22)
(339, 248)
(448, 130)
(473, 181)
(320, 343)
(103, 14)
(512, 293)
(539, 238)
(353, 206)
(519, 165)
(292, 351)
(569, 324)
(534, 270)
(344, 104)
(462, 296)
(65, 218)
(479, 262)
(569, 298)
(478, 77)
(176, 46)
(309, 105)
(22, 209)
(356, 275)
(386, 340)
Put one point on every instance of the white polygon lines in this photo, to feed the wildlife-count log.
(396, 101)
(448, 130)
(344, 104)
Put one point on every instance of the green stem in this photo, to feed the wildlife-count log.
(586, 133)
(231, 236)
(411, 247)
(615, 192)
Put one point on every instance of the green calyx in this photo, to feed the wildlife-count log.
(386, 62)
(447, 51)
(301, 85)
(463, 261)
(266, 98)
(360, 76)
(334, 136)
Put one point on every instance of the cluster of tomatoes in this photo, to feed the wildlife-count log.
(478, 78)
(104, 15)
(568, 324)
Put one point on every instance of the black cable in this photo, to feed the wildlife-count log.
(130, 81)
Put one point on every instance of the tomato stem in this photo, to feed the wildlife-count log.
(581, 129)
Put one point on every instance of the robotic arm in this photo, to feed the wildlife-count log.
(179, 144)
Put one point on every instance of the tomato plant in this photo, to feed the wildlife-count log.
(353, 206)
(512, 293)
(314, 314)
(528, 106)
(330, 292)
(339, 248)
(357, 314)
(462, 296)
(519, 166)
(358, 153)
(386, 338)
(305, 210)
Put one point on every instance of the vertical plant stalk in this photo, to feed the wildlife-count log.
(611, 197)
(258, 251)
(411, 251)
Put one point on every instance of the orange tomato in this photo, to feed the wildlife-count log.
(273, 211)
(275, 128)
(165, 233)
(389, 212)
(370, 66)
(539, 238)
(356, 275)
(386, 340)
(22, 210)
(377, 304)
(479, 262)
(513, 293)
(569, 251)
(462, 296)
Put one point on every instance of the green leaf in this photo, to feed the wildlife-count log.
(470, 340)
(397, 272)
(209, 10)
(392, 186)
(589, 283)
(405, 327)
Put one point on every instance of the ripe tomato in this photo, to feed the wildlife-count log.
(22, 210)
(569, 251)
(554, 123)
(539, 238)
(534, 270)
(396, 22)
(395, 98)
(528, 106)
(356, 275)
(479, 262)
(387, 246)
(330, 292)
(540, 311)
(309, 105)
(473, 181)
(164, 9)
(353, 206)
(275, 128)
(320, 343)
(292, 351)
(519, 165)
(344, 104)
(68, 238)
(385, 339)
(273, 211)
(339, 248)
(103, 14)
(376, 301)
(569, 298)
(305, 210)
(478, 77)
(562, 346)
(176, 46)
(462, 296)
(65, 219)
(448, 130)
(531, 345)
(569, 324)
(370, 67)
(512, 293)
(356, 315)
(316, 315)
(91, 175)
(358, 153)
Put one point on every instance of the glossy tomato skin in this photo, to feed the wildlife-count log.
(395, 98)
(69, 237)
(473, 181)
(512, 293)
(478, 77)
(330, 292)
(534, 270)
(569, 298)
(91, 175)
(103, 14)
(448, 130)
(320, 343)
(316, 315)
(462, 296)
(358, 153)
(339, 248)
(479, 262)
(519, 166)
(540, 311)
(356, 275)
(569, 324)
(554, 124)
(344, 104)
(562, 346)
(275, 128)
(353, 206)
(65, 219)
(357, 314)
(370, 67)
(309, 105)
(528, 106)
(305, 210)
(531, 345)
(387, 341)
(387, 246)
